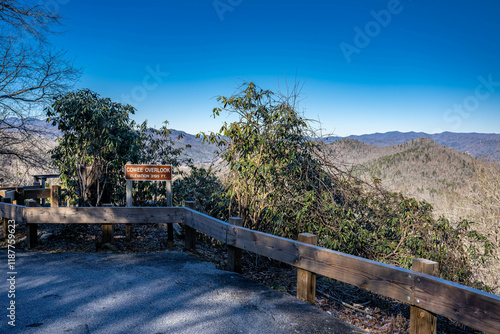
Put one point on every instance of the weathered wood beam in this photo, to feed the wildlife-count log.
(12, 211)
(5, 221)
(108, 230)
(210, 226)
(422, 321)
(55, 193)
(46, 176)
(306, 280)
(190, 234)
(100, 215)
(36, 193)
(377, 277)
(8, 194)
(170, 225)
(469, 306)
(19, 187)
(31, 229)
(233, 253)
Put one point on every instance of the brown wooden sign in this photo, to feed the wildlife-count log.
(148, 172)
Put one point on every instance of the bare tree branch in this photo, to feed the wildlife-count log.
(23, 17)
(32, 73)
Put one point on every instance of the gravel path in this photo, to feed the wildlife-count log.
(168, 292)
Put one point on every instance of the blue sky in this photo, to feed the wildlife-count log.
(365, 66)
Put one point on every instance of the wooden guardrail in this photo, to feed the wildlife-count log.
(17, 195)
(471, 307)
(29, 196)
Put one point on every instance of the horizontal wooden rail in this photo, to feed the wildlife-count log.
(471, 307)
(380, 278)
(10, 194)
(12, 211)
(99, 215)
(46, 176)
(28, 193)
(468, 306)
(20, 187)
(37, 193)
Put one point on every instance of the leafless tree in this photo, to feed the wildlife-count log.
(32, 72)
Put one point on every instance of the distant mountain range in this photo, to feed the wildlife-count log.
(479, 145)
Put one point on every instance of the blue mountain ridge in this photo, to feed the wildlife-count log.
(476, 144)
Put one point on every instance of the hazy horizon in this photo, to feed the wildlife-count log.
(335, 135)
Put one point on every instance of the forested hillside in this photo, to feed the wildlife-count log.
(420, 168)
(456, 184)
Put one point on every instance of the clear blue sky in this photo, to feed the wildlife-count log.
(366, 66)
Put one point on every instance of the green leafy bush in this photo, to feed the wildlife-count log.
(204, 187)
(282, 182)
(97, 140)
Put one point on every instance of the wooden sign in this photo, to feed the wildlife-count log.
(148, 172)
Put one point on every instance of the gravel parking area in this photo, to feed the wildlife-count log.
(166, 292)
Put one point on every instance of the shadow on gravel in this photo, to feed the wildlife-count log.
(168, 292)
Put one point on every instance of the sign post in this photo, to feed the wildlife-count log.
(128, 227)
(149, 173)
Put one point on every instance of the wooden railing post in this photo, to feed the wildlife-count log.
(5, 220)
(55, 191)
(128, 227)
(107, 229)
(31, 229)
(170, 226)
(422, 321)
(8, 195)
(36, 183)
(233, 253)
(19, 197)
(306, 280)
(128, 235)
(190, 234)
(42, 185)
(5, 223)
